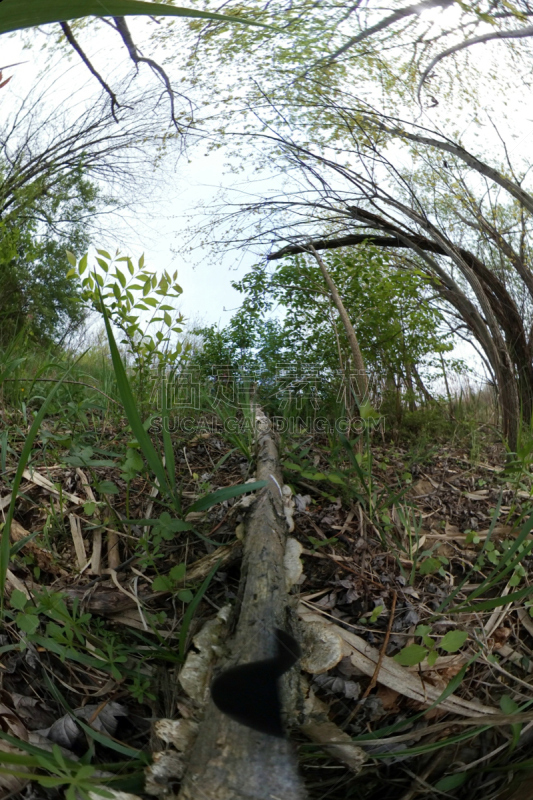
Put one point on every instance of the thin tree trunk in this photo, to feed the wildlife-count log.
(358, 362)
(421, 387)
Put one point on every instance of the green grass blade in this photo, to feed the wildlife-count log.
(224, 494)
(18, 14)
(170, 461)
(93, 734)
(192, 608)
(24, 456)
(495, 602)
(130, 408)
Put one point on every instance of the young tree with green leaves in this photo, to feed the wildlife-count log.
(287, 318)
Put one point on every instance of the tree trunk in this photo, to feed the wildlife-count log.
(358, 361)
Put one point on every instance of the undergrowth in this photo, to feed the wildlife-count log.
(93, 454)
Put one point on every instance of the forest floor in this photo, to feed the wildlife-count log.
(420, 551)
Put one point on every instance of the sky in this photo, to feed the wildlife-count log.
(206, 278)
(208, 296)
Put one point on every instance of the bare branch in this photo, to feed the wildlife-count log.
(137, 58)
(448, 146)
(388, 21)
(71, 39)
(519, 33)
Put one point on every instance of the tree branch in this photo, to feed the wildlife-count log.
(71, 39)
(518, 193)
(390, 20)
(519, 33)
(137, 58)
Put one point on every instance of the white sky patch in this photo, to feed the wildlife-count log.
(164, 235)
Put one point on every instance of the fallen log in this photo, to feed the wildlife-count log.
(230, 761)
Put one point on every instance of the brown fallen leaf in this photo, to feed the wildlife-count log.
(11, 724)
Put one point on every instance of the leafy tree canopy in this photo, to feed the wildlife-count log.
(35, 293)
(396, 325)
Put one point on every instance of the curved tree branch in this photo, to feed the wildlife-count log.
(71, 39)
(135, 55)
(516, 191)
(407, 11)
(519, 33)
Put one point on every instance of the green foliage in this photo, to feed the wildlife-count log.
(414, 654)
(128, 296)
(430, 564)
(317, 543)
(394, 327)
(397, 328)
(172, 582)
(35, 294)
(25, 14)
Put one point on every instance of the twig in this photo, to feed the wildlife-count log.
(71, 39)
(383, 649)
(382, 653)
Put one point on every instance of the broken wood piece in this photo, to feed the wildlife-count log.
(46, 483)
(227, 554)
(77, 538)
(96, 556)
(391, 674)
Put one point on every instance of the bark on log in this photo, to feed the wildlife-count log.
(230, 761)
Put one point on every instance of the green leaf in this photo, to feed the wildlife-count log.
(122, 278)
(453, 641)
(321, 542)
(168, 527)
(177, 573)
(332, 477)
(411, 655)
(72, 258)
(82, 266)
(104, 253)
(27, 622)
(130, 407)
(224, 494)
(314, 476)
(18, 599)
(18, 14)
(429, 566)
(185, 595)
(451, 782)
(107, 487)
(508, 705)
(162, 584)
